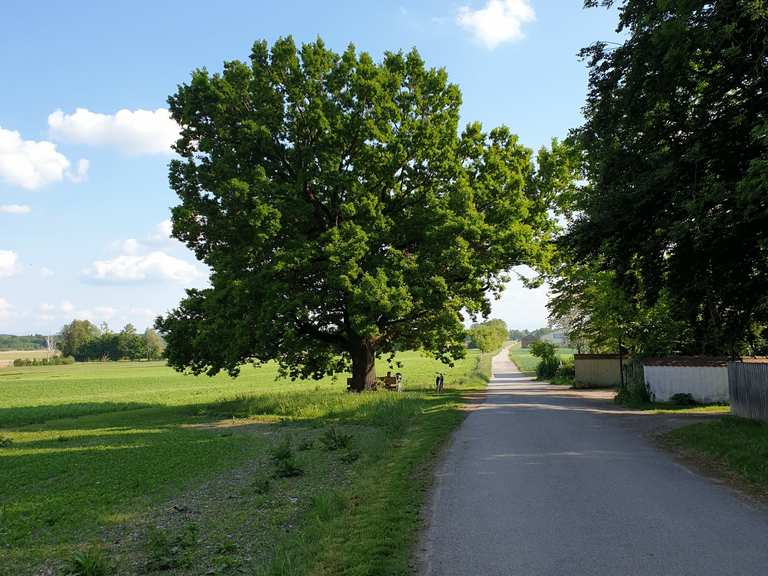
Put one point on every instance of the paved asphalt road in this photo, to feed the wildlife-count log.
(542, 481)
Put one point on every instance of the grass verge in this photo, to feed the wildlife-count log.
(733, 447)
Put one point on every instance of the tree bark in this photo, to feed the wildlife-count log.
(363, 366)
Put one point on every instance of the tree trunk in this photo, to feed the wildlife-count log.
(363, 367)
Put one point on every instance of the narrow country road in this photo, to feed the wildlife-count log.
(541, 480)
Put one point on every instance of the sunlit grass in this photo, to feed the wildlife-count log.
(92, 446)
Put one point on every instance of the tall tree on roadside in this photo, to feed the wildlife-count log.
(340, 212)
(676, 144)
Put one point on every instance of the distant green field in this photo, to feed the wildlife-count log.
(92, 451)
(527, 362)
(13, 354)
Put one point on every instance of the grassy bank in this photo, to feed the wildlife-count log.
(175, 474)
(735, 447)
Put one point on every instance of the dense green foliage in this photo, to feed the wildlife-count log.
(340, 211)
(84, 341)
(52, 361)
(549, 361)
(128, 441)
(599, 316)
(32, 342)
(676, 156)
(488, 336)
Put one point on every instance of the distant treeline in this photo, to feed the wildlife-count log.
(85, 341)
(520, 334)
(31, 342)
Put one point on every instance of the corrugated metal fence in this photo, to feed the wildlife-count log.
(748, 388)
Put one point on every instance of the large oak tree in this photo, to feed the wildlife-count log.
(340, 211)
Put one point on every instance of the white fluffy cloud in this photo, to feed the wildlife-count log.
(163, 230)
(134, 268)
(498, 22)
(67, 311)
(8, 263)
(32, 164)
(5, 309)
(15, 209)
(132, 131)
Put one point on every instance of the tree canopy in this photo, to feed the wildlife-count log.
(341, 213)
(488, 336)
(83, 340)
(675, 146)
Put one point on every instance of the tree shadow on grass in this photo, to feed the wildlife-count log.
(28, 415)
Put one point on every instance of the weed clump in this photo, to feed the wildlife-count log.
(261, 485)
(335, 439)
(90, 562)
(283, 460)
(166, 552)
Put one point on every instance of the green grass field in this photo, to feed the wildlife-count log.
(173, 474)
(527, 362)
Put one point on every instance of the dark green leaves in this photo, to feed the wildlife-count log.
(338, 207)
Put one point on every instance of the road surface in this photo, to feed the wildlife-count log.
(540, 480)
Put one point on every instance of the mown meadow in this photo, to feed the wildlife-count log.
(137, 469)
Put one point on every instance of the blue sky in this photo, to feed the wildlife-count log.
(84, 198)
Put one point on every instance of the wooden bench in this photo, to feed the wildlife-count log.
(386, 382)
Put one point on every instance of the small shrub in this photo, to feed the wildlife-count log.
(565, 375)
(327, 505)
(166, 552)
(543, 350)
(283, 460)
(18, 362)
(5, 442)
(306, 444)
(91, 562)
(281, 451)
(287, 469)
(160, 554)
(548, 367)
(350, 456)
(335, 439)
(67, 360)
(261, 485)
(634, 392)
